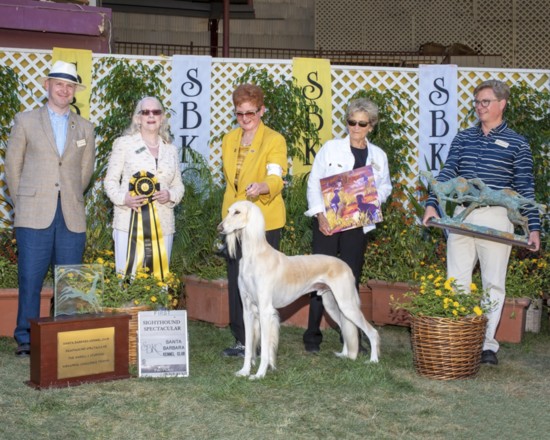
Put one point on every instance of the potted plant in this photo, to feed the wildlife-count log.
(133, 293)
(9, 285)
(447, 327)
(8, 296)
(197, 245)
(399, 250)
(526, 280)
(9, 293)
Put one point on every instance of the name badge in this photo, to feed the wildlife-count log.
(502, 143)
(139, 150)
(81, 143)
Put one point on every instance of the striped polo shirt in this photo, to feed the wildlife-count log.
(502, 159)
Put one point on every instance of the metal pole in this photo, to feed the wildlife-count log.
(225, 50)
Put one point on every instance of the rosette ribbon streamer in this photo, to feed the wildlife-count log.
(145, 242)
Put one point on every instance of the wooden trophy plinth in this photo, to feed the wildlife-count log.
(71, 350)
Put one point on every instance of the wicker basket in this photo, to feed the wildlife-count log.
(445, 348)
(132, 328)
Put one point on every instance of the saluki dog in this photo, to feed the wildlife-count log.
(268, 280)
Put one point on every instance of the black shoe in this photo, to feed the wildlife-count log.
(489, 357)
(313, 349)
(23, 350)
(236, 351)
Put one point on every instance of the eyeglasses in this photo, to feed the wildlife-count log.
(155, 112)
(248, 114)
(362, 124)
(484, 102)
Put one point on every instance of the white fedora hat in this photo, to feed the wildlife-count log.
(65, 72)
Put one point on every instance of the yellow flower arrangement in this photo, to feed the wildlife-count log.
(444, 298)
(527, 275)
(141, 289)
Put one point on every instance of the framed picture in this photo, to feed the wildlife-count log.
(351, 200)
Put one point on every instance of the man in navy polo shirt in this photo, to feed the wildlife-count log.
(502, 159)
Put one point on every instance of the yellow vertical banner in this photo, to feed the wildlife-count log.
(83, 60)
(314, 78)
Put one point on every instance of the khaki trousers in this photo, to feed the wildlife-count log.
(463, 252)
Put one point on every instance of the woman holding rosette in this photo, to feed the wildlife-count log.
(144, 183)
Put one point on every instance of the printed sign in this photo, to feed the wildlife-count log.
(190, 121)
(351, 200)
(163, 344)
(438, 121)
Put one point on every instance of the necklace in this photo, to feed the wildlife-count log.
(153, 147)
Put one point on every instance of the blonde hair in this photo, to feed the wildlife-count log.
(135, 126)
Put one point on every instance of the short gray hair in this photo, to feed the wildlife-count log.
(500, 89)
(363, 105)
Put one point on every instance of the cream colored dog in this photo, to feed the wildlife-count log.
(269, 280)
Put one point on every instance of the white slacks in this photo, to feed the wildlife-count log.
(463, 252)
(121, 247)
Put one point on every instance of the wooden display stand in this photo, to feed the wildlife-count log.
(80, 348)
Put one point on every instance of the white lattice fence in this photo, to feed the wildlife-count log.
(349, 80)
(97, 106)
(30, 65)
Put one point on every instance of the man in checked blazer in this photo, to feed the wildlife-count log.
(49, 162)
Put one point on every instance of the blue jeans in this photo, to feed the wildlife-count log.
(38, 250)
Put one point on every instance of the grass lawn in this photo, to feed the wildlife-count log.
(307, 397)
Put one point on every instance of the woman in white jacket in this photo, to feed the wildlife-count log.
(337, 156)
(144, 149)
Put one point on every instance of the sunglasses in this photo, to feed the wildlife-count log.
(148, 112)
(248, 114)
(362, 124)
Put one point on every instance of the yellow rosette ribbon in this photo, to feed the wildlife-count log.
(145, 242)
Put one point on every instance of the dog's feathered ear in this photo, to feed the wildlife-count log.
(231, 240)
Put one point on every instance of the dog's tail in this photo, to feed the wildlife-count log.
(275, 324)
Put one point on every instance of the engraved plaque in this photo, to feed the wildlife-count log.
(85, 352)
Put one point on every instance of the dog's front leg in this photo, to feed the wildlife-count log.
(269, 332)
(248, 318)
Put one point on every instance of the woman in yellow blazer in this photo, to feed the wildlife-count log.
(254, 161)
